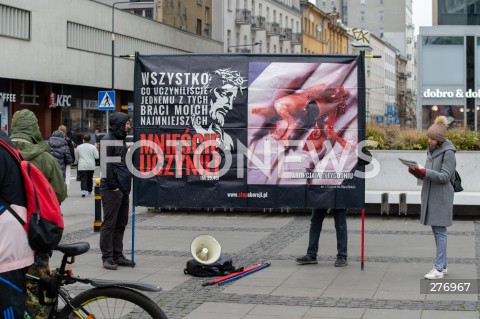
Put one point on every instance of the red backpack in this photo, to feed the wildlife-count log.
(44, 224)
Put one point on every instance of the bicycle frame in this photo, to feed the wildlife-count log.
(53, 285)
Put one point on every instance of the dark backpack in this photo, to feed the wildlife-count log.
(455, 180)
(223, 266)
(44, 224)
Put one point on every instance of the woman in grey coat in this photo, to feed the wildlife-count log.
(437, 191)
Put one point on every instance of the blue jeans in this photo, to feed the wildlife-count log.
(340, 217)
(440, 233)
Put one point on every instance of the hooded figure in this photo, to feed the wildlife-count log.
(118, 175)
(60, 150)
(115, 189)
(27, 137)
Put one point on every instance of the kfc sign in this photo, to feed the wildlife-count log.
(55, 100)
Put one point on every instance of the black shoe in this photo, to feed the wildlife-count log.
(109, 264)
(340, 262)
(122, 261)
(305, 260)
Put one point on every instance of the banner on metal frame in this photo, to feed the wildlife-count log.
(245, 131)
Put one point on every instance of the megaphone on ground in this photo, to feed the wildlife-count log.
(205, 249)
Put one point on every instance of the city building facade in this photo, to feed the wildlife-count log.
(448, 56)
(194, 16)
(448, 81)
(389, 20)
(323, 33)
(259, 26)
(60, 56)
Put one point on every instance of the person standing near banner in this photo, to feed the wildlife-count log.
(437, 191)
(115, 190)
(318, 215)
(340, 218)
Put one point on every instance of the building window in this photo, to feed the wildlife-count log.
(198, 28)
(381, 2)
(29, 93)
(362, 2)
(147, 13)
(207, 14)
(381, 15)
(14, 22)
(324, 3)
(332, 3)
(362, 15)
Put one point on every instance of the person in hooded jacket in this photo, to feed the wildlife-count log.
(26, 135)
(115, 189)
(15, 253)
(60, 150)
(437, 191)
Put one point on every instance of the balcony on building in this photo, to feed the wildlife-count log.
(243, 50)
(243, 16)
(273, 28)
(296, 38)
(258, 23)
(285, 34)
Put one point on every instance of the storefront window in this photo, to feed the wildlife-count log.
(83, 117)
(3, 105)
(455, 114)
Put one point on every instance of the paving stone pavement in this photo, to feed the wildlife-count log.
(398, 250)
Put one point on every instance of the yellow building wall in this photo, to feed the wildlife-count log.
(321, 33)
(184, 14)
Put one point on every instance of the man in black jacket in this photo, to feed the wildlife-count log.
(115, 190)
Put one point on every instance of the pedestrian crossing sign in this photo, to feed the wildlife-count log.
(106, 100)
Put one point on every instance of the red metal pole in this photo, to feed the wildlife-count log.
(215, 281)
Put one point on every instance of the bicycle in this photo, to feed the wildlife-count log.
(108, 299)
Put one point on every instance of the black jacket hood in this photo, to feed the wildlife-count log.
(117, 125)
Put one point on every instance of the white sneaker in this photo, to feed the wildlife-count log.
(434, 274)
(445, 271)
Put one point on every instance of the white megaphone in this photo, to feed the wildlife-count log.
(205, 249)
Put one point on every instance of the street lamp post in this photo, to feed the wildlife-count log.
(113, 44)
(243, 45)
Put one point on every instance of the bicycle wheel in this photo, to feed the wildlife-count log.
(112, 303)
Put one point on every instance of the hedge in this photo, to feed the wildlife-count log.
(396, 138)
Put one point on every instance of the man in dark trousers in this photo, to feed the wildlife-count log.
(115, 189)
(16, 255)
(340, 218)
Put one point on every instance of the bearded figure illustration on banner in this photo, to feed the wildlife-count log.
(224, 86)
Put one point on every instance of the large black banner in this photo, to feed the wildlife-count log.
(261, 131)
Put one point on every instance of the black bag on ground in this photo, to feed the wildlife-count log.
(223, 266)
